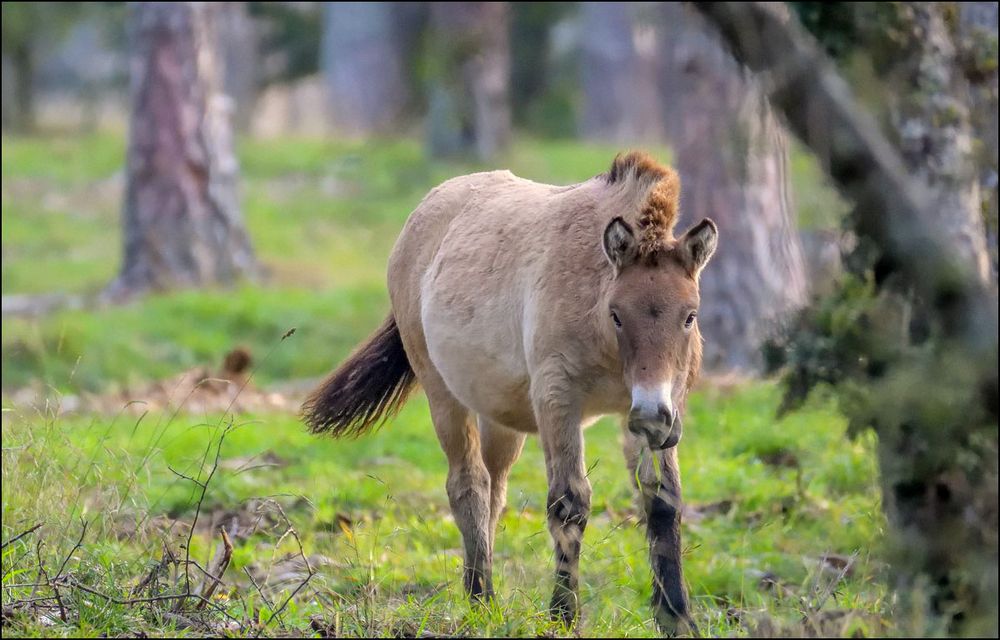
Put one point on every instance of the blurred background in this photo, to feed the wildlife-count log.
(183, 183)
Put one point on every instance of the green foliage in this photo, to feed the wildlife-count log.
(290, 35)
(27, 24)
(817, 203)
(827, 343)
(542, 89)
(883, 30)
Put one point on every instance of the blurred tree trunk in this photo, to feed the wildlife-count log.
(978, 30)
(363, 67)
(237, 45)
(619, 74)
(733, 159)
(23, 65)
(182, 220)
(469, 71)
(935, 132)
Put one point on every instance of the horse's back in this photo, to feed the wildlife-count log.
(423, 233)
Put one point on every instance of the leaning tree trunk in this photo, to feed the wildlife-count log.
(182, 220)
(470, 69)
(733, 159)
(619, 70)
(363, 67)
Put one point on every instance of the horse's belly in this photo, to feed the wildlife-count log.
(479, 356)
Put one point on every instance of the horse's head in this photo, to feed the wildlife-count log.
(653, 307)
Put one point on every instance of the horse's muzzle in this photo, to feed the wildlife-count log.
(661, 432)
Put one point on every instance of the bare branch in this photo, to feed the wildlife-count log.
(69, 555)
(21, 535)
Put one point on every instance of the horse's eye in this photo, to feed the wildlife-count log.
(690, 319)
(616, 319)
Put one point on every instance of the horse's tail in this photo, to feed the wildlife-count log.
(371, 385)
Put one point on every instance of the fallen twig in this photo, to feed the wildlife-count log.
(220, 567)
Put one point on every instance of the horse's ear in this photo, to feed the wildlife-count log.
(698, 245)
(620, 245)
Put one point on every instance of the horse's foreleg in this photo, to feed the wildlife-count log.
(568, 499)
(657, 476)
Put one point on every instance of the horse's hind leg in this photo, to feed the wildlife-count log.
(660, 498)
(501, 447)
(468, 483)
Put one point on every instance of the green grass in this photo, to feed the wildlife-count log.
(372, 513)
(401, 553)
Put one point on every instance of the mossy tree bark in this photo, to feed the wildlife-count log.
(978, 61)
(934, 131)
(927, 388)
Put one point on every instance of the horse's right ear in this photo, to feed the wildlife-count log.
(620, 245)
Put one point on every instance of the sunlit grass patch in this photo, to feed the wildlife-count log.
(374, 521)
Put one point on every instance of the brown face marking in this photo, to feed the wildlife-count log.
(654, 350)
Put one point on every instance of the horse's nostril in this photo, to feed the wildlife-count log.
(666, 414)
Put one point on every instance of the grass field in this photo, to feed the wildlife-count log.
(784, 526)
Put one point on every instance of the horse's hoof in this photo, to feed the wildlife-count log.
(482, 597)
(478, 586)
(672, 626)
(564, 608)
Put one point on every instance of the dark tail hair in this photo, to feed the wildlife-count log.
(365, 390)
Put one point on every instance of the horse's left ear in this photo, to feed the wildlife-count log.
(698, 245)
(620, 245)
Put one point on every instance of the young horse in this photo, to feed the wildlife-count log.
(536, 309)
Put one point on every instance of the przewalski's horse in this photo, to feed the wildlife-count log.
(529, 308)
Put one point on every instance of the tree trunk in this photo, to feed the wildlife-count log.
(363, 67)
(469, 106)
(182, 220)
(978, 23)
(933, 400)
(619, 75)
(23, 65)
(733, 159)
(237, 45)
(935, 134)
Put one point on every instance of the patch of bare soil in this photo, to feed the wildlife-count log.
(254, 516)
(198, 390)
